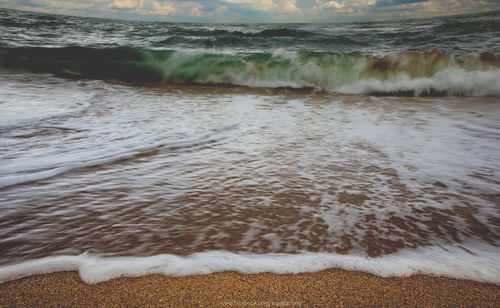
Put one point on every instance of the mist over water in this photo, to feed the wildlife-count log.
(238, 147)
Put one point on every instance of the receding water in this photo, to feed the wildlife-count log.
(114, 163)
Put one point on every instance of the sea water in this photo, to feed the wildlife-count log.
(130, 148)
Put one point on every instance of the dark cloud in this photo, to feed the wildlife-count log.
(397, 2)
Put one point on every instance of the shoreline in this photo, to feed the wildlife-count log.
(325, 288)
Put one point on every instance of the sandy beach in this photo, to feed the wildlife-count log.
(326, 288)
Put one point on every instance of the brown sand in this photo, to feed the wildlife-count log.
(323, 289)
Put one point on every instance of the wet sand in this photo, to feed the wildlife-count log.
(326, 288)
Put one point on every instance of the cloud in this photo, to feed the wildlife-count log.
(196, 10)
(400, 9)
(221, 9)
(256, 10)
(162, 9)
(61, 4)
(397, 2)
(123, 4)
(333, 4)
(288, 6)
(259, 5)
(381, 10)
(340, 9)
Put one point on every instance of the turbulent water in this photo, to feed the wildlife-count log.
(132, 147)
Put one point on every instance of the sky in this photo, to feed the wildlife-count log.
(243, 11)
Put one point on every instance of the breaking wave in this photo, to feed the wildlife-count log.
(431, 73)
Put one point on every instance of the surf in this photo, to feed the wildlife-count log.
(429, 73)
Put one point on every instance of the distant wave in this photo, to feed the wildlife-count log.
(276, 32)
(431, 73)
(283, 32)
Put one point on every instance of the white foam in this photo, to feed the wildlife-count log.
(291, 70)
(452, 81)
(37, 101)
(447, 144)
(18, 173)
(451, 261)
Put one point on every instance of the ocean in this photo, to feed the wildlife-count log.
(130, 148)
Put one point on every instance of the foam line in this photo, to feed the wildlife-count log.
(450, 261)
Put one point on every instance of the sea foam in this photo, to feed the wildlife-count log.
(450, 261)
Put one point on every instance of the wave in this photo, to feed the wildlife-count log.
(275, 32)
(451, 261)
(458, 26)
(281, 32)
(431, 73)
